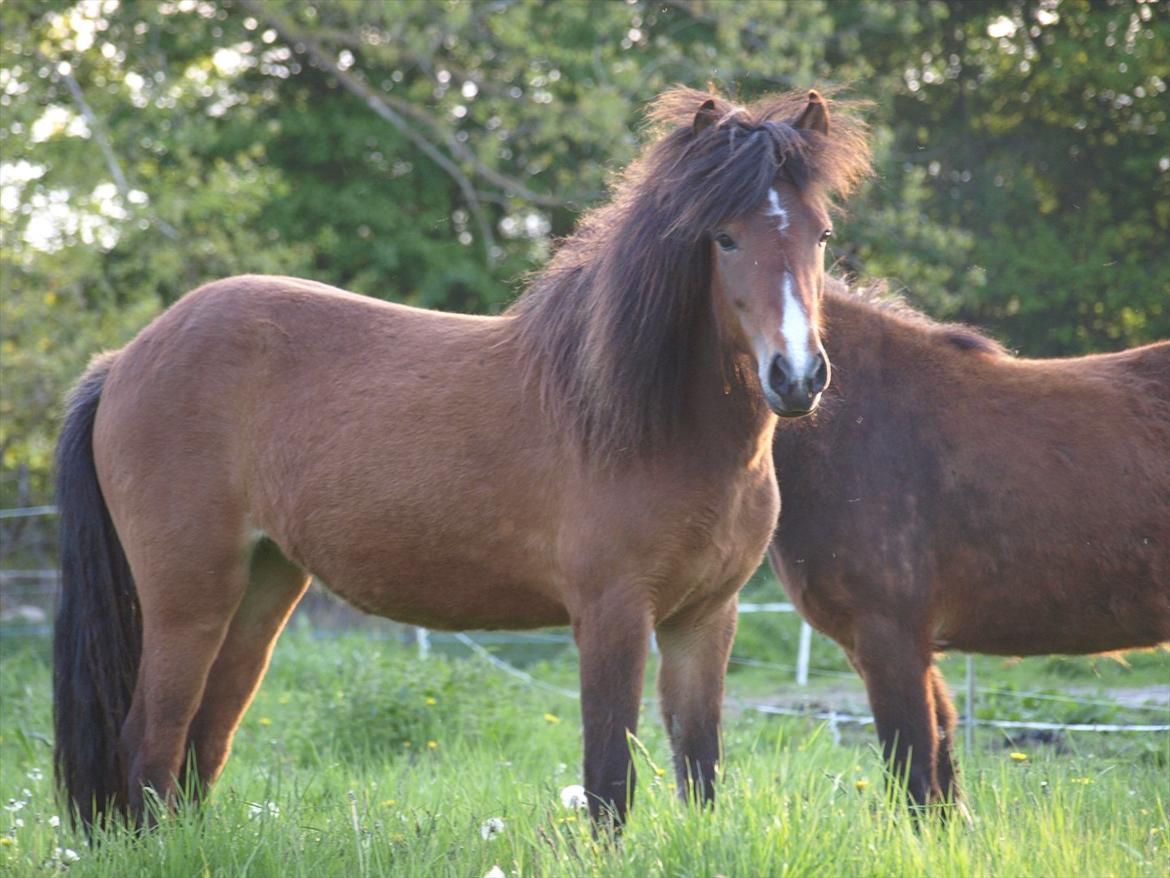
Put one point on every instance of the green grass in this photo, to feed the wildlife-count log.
(334, 773)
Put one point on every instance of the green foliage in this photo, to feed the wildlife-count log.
(1043, 131)
(431, 152)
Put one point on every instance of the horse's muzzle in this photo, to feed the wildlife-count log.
(792, 393)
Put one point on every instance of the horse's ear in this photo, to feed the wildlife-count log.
(815, 116)
(705, 117)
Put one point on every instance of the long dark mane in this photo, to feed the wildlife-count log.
(609, 326)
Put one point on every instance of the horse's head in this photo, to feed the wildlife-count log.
(711, 251)
(768, 271)
(769, 267)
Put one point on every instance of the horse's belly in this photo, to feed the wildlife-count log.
(1082, 611)
(452, 602)
(439, 578)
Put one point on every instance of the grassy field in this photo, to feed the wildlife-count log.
(358, 759)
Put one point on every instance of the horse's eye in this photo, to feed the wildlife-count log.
(726, 244)
(825, 235)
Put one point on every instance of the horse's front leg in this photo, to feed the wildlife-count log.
(897, 673)
(694, 653)
(613, 635)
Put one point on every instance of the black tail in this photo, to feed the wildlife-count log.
(97, 640)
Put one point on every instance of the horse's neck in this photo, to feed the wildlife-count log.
(857, 335)
(725, 405)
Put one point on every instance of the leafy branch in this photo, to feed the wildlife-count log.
(300, 43)
(63, 71)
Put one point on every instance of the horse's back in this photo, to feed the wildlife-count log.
(352, 432)
(256, 356)
(1146, 371)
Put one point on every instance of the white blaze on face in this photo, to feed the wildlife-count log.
(777, 209)
(795, 329)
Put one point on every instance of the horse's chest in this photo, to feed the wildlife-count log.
(723, 543)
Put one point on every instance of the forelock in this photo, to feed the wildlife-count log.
(726, 169)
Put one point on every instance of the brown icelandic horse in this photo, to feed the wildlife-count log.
(599, 455)
(949, 496)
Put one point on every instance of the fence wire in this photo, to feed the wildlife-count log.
(801, 668)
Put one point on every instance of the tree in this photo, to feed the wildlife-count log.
(432, 153)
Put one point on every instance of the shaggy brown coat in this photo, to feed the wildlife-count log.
(599, 456)
(949, 496)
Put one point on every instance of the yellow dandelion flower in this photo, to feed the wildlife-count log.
(431, 701)
(387, 802)
(861, 783)
(432, 745)
(6, 841)
(265, 721)
(661, 772)
(552, 719)
(406, 743)
(1082, 781)
(1017, 756)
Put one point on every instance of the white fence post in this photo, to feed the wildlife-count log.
(422, 639)
(969, 721)
(803, 653)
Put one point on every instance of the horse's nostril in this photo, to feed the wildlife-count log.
(778, 374)
(820, 375)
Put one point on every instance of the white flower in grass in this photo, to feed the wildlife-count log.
(262, 809)
(492, 827)
(573, 797)
(36, 774)
(494, 872)
(66, 855)
(54, 821)
(18, 823)
(15, 805)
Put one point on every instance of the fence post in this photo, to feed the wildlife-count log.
(969, 720)
(422, 639)
(803, 653)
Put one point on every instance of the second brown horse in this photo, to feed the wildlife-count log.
(949, 496)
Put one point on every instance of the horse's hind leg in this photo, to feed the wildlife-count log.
(186, 609)
(945, 719)
(694, 655)
(897, 675)
(275, 587)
